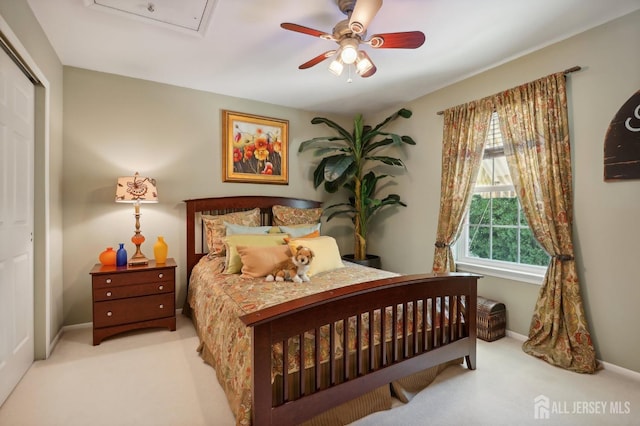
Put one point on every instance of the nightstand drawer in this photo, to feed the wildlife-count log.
(121, 292)
(132, 310)
(117, 279)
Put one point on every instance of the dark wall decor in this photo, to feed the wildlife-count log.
(622, 142)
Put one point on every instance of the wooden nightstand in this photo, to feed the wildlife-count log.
(133, 297)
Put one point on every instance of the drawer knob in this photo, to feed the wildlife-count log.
(108, 294)
(109, 313)
(161, 306)
(160, 287)
(108, 280)
(160, 275)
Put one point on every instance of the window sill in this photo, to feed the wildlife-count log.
(510, 274)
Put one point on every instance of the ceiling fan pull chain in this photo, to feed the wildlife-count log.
(349, 80)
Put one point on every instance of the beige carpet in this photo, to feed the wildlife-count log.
(156, 378)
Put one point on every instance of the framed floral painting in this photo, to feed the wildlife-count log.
(255, 148)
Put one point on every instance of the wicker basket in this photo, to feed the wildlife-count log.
(491, 319)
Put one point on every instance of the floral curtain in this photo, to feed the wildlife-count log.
(465, 131)
(534, 123)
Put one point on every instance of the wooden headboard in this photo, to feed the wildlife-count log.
(196, 236)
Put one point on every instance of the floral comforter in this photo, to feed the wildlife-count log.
(219, 300)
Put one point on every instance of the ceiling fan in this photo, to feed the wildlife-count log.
(350, 33)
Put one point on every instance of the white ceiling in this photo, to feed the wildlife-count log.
(243, 52)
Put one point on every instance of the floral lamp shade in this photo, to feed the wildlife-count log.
(132, 189)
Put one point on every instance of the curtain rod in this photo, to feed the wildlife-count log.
(567, 71)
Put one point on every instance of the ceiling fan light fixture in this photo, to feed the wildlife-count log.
(348, 51)
(363, 63)
(336, 66)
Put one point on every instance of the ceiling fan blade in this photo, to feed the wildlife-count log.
(362, 15)
(306, 30)
(403, 40)
(317, 59)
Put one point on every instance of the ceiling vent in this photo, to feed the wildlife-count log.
(187, 16)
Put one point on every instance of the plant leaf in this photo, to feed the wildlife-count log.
(388, 160)
(318, 174)
(336, 166)
(403, 112)
(408, 140)
(311, 143)
(348, 212)
(338, 128)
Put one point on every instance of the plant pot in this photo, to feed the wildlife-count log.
(372, 260)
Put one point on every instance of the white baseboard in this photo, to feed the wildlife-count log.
(620, 370)
(63, 329)
(517, 336)
(605, 365)
(54, 342)
(77, 326)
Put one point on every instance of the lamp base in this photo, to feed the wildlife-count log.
(138, 261)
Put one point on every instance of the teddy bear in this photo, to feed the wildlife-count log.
(295, 268)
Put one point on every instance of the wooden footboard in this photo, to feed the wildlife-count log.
(437, 317)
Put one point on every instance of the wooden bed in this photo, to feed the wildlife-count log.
(449, 300)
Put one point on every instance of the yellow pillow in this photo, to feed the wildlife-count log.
(260, 261)
(314, 234)
(325, 250)
(233, 263)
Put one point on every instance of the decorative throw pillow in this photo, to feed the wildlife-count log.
(325, 250)
(216, 230)
(260, 261)
(233, 263)
(233, 229)
(295, 231)
(287, 216)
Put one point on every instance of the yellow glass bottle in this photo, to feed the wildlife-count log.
(160, 250)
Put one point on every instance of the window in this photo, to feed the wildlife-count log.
(496, 239)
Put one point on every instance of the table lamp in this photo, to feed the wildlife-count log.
(135, 189)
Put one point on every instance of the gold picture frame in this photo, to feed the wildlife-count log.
(255, 149)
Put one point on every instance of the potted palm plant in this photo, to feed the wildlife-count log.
(348, 161)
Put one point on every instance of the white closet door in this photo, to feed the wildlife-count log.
(16, 224)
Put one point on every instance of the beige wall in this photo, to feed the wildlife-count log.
(34, 46)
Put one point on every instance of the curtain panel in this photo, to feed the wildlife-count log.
(533, 118)
(465, 131)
